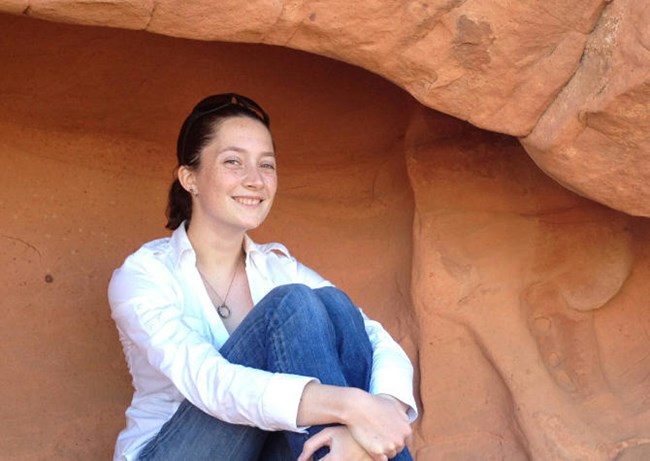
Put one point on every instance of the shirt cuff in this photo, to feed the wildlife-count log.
(281, 400)
(398, 385)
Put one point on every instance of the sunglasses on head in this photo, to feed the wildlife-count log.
(213, 104)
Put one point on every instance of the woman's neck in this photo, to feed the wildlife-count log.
(215, 252)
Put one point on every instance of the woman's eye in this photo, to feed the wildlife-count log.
(231, 161)
(269, 166)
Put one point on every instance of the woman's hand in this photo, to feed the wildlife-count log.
(379, 423)
(342, 446)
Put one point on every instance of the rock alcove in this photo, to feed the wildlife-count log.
(487, 201)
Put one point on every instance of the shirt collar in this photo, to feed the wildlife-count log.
(181, 245)
(251, 248)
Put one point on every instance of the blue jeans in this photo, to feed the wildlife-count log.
(294, 329)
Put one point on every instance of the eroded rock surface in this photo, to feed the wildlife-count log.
(522, 292)
(595, 137)
(570, 77)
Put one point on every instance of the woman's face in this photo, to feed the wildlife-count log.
(236, 181)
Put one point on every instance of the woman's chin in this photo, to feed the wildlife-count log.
(255, 222)
(251, 225)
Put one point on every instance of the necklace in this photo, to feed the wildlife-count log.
(222, 309)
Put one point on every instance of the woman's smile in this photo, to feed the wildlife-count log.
(248, 201)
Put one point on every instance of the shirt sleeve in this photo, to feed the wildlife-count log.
(392, 371)
(147, 310)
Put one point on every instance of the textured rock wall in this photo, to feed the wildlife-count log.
(523, 305)
(572, 78)
(531, 303)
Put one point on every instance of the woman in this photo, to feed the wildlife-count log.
(238, 351)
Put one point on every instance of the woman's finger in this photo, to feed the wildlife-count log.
(314, 443)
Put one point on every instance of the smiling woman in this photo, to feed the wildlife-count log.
(238, 351)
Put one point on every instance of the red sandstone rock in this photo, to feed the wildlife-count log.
(522, 292)
(498, 65)
(595, 138)
(112, 13)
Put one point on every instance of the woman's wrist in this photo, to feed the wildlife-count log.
(404, 406)
(352, 404)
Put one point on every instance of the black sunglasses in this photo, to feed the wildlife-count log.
(213, 104)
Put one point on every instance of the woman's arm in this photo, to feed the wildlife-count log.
(163, 344)
(392, 371)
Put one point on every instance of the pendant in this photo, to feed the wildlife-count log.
(223, 311)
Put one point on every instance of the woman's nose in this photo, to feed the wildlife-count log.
(253, 178)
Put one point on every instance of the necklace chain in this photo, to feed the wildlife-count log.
(222, 309)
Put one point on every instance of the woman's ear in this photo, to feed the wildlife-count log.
(187, 179)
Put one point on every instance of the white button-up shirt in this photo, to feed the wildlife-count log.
(171, 335)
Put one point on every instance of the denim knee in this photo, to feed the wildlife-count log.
(338, 304)
(295, 300)
(289, 288)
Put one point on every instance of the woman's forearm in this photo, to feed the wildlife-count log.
(324, 404)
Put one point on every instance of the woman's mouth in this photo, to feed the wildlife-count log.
(248, 201)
